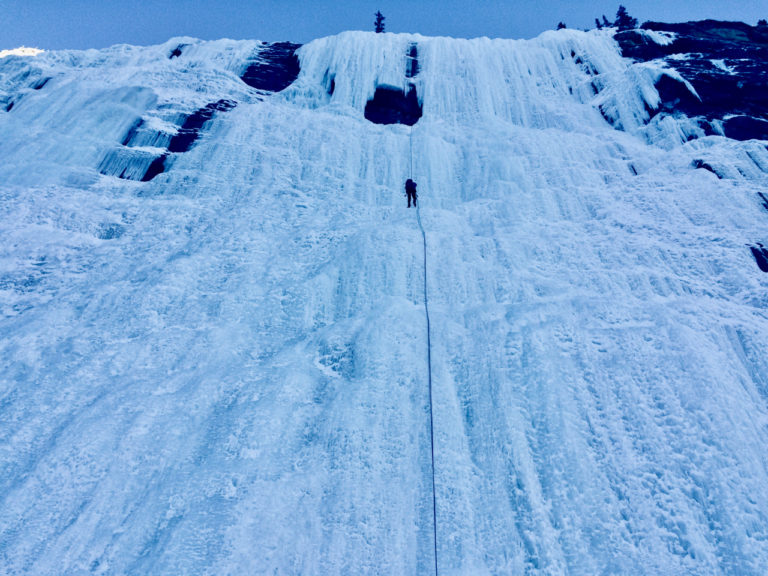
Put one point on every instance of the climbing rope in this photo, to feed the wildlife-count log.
(410, 139)
(429, 365)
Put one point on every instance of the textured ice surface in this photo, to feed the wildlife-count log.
(223, 370)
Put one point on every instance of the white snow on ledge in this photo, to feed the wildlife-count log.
(661, 38)
(21, 51)
(721, 65)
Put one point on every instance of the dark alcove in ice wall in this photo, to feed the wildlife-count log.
(393, 106)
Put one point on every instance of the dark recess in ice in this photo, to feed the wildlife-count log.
(761, 256)
(412, 66)
(156, 167)
(393, 106)
(276, 67)
(40, 84)
(764, 198)
(9, 107)
(608, 118)
(701, 164)
(329, 81)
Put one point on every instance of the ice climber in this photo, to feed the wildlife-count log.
(410, 192)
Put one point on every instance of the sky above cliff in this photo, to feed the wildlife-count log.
(56, 24)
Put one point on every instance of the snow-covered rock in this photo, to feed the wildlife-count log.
(727, 63)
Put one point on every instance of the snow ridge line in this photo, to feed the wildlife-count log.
(429, 364)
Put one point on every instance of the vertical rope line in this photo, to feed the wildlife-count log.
(429, 368)
(410, 138)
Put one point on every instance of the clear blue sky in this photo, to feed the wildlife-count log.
(53, 24)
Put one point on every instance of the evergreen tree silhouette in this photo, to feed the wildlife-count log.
(623, 20)
(379, 22)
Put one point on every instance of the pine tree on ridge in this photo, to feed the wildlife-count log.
(379, 22)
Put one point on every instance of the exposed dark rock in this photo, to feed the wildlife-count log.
(393, 106)
(9, 107)
(725, 62)
(638, 46)
(703, 35)
(134, 163)
(710, 38)
(190, 129)
(764, 198)
(176, 52)
(41, 83)
(675, 96)
(746, 128)
(274, 69)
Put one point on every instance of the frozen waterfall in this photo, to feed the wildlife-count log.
(219, 365)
